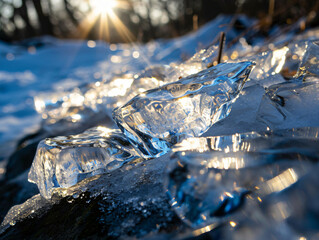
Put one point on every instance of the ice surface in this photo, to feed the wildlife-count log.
(243, 115)
(288, 214)
(155, 120)
(291, 104)
(294, 102)
(61, 162)
(209, 179)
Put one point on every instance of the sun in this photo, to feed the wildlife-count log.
(103, 15)
(100, 7)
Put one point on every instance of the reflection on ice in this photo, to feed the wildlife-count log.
(155, 120)
(209, 179)
(64, 161)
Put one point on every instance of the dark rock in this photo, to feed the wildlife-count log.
(15, 192)
(128, 202)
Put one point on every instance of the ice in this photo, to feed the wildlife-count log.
(62, 162)
(309, 64)
(99, 98)
(290, 104)
(283, 60)
(294, 102)
(289, 214)
(126, 199)
(155, 120)
(243, 115)
(209, 179)
(81, 104)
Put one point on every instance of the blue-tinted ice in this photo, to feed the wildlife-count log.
(209, 179)
(155, 120)
(310, 61)
(64, 161)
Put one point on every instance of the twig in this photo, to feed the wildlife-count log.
(221, 46)
(220, 49)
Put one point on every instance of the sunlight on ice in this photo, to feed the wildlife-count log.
(280, 57)
(282, 181)
(212, 176)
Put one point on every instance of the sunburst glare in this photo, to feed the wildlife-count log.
(103, 15)
(100, 7)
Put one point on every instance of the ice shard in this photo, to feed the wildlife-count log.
(155, 120)
(283, 60)
(310, 61)
(61, 162)
(209, 179)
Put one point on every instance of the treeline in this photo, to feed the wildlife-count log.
(146, 19)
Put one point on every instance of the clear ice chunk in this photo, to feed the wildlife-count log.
(282, 60)
(156, 119)
(209, 179)
(310, 62)
(62, 162)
